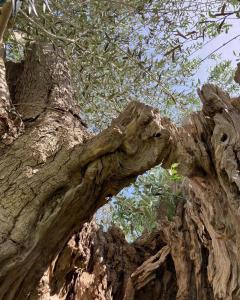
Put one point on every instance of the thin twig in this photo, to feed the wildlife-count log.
(63, 38)
(152, 76)
(220, 47)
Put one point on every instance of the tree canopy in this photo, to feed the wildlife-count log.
(67, 69)
(131, 49)
(123, 50)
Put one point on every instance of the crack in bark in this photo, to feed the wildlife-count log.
(72, 173)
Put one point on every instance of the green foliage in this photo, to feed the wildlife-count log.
(137, 209)
(131, 49)
(173, 174)
(222, 75)
(124, 50)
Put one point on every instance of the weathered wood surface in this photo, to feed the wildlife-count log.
(54, 175)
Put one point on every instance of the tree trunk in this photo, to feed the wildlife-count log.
(54, 175)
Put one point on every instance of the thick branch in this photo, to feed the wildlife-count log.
(58, 179)
(10, 121)
(55, 176)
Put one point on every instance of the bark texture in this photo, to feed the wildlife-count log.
(97, 265)
(54, 175)
(165, 264)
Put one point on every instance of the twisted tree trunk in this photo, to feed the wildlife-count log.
(54, 175)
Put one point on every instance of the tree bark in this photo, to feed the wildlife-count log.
(54, 176)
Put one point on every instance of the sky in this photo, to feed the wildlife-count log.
(226, 51)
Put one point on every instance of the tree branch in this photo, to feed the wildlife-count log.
(55, 176)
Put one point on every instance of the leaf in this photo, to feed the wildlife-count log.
(221, 25)
(211, 15)
(32, 7)
(223, 8)
(181, 34)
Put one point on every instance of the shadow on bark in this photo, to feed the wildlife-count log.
(54, 176)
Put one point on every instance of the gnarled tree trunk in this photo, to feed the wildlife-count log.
(54, 175)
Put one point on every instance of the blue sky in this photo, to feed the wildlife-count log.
(226, 51)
